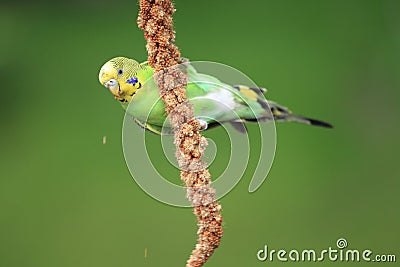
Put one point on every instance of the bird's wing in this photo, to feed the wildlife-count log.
(222, 101)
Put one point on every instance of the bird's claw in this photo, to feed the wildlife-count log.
(203, 124)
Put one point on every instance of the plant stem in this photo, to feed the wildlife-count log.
(155, 19)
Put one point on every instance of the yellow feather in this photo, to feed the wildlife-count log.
(249, 93)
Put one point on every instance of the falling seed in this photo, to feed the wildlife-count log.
(104, 140)
(145, 253)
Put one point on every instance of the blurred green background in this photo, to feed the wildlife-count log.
(68, 200)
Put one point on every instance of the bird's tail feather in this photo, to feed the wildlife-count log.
(297, 118)
(282, 113)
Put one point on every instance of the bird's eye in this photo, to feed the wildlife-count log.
(120, 71)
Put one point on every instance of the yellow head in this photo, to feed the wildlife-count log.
(119, 75)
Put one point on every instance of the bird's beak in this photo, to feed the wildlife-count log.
(114, 87)
(108, 84)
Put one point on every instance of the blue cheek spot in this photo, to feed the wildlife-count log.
(132, 80)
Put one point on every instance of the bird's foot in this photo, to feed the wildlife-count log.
(203, 124)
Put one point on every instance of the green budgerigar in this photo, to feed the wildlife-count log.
(214, 102)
